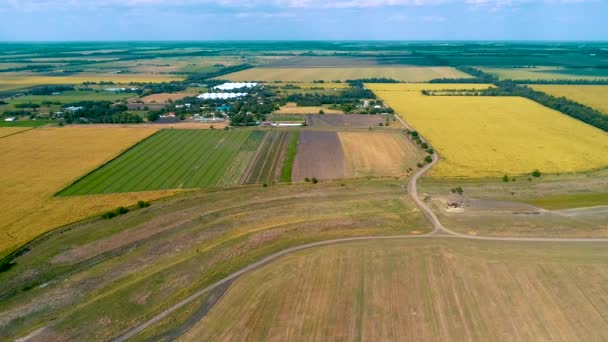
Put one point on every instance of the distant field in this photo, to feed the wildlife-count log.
(406, 74)
(38, 163)
(68, 97)
(419, 290)
(165, 97)
(546, 73)
(594, 96)
(492, 136)
(292, 108)
(347, 120)
(21, 80)
(331, 155)
(172, 159)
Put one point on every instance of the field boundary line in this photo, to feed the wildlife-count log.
(25, 130)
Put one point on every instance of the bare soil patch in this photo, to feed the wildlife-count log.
(319, 155)
(348, 120)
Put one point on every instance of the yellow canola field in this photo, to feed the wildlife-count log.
(491, 136)
(21, 80)
(594, 96)
(36, 164)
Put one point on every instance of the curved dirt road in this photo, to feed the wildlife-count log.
(439, 231)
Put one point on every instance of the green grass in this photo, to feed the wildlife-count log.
(26, 123)
(570, 201)
(170, 159)
(290, 156)
(68, 97)
(264, 169)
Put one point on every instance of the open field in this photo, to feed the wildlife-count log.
(38, 163)
(492, 136)
(22, 80)
(304, 85)
(594, 96)
(292, 108)
(6, 131)
(266, 168)
(170, 159)
(347, 120)
(334, 155)
(67, 97)
(320, 155)
(104, 276)
(430, 290)
(165, 97)
(378, 154)
(545, 73)
(406, 74)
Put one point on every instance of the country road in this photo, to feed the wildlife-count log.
(439, 231)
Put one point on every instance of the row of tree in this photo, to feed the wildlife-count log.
(99, 112)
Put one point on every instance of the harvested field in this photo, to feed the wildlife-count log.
(378, 154)
(429, 290)
(594, 96)
(164, 97)
(266, 168)
(492, 136)
(38, 163)
(6, 131)
(319, 155)
(406, 74)
(171, 159)
(347, 120)
(292, 108)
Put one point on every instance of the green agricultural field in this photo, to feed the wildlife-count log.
(268, 162)
(67, 97)
(170, 159)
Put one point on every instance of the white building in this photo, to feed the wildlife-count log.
(234, 85)
(220, 96)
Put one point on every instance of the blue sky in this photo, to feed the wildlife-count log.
(43, 20)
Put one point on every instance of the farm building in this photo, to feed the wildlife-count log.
(11, 119)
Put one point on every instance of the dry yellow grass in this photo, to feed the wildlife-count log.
(418, 290)
(6, 131)
(378, 154)
(594, 96)
(20, 80)
(407, 74)
(36, 164)
(493, 136)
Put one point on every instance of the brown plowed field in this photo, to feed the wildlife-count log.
(348, 120)
(319, 155)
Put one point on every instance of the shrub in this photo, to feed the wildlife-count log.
(505, 179)
(121, 211)
(307, 179)
(457, 190)
(264, 185)
(428, 159)
(419, 165)
(424, 145)
(536, 173)
(314, 180)
(143, 204)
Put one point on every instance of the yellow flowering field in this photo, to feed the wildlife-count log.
(491, 136)
(594, 96)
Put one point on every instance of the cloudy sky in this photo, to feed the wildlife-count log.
(42, 20)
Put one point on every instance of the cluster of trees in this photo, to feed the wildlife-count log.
(49, 90)
(349, 96)
(99, 112)
(157, 88)
(361, 81)
(202, 77)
